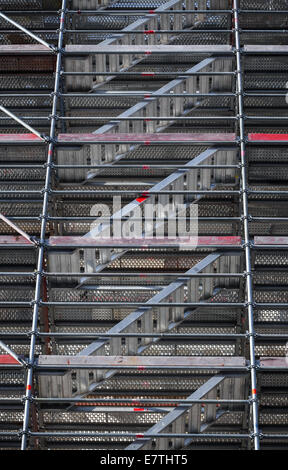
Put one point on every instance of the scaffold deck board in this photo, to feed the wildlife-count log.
(142, 362)
(147, 138)
(150, 49)
(228, 241)
(79, 49)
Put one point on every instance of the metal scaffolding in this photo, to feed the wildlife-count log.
(122, 116)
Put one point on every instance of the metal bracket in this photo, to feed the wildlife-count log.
(38, 273)
(35, 302)
(55, 93)
(30, 399)
(253, 400)
(250, 367)
(48, 165)
(46, 138)
(23, 433)
(58, 50)
(248, 304)
(247, 273)
(248, 244)
(53, 116)
(242, 165)
(246, 217)
(243, 140)
(251, 335)
(46, 190)
(256, 434)
(244, 191)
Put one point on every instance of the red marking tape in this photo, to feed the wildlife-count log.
(147, 52)
(254, 391)
(141, 199)
(141, 367)
(139, 409)
(147, 96)
(7, 359)
(277, 137)
(150, 31)
(151, 12)
(147, 142)
(139, 436)
(148, 74)
(146, 167)
(28, 387)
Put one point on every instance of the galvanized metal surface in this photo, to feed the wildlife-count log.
(205, 126)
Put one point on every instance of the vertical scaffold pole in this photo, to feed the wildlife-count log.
(36, 301)
(247, 247)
